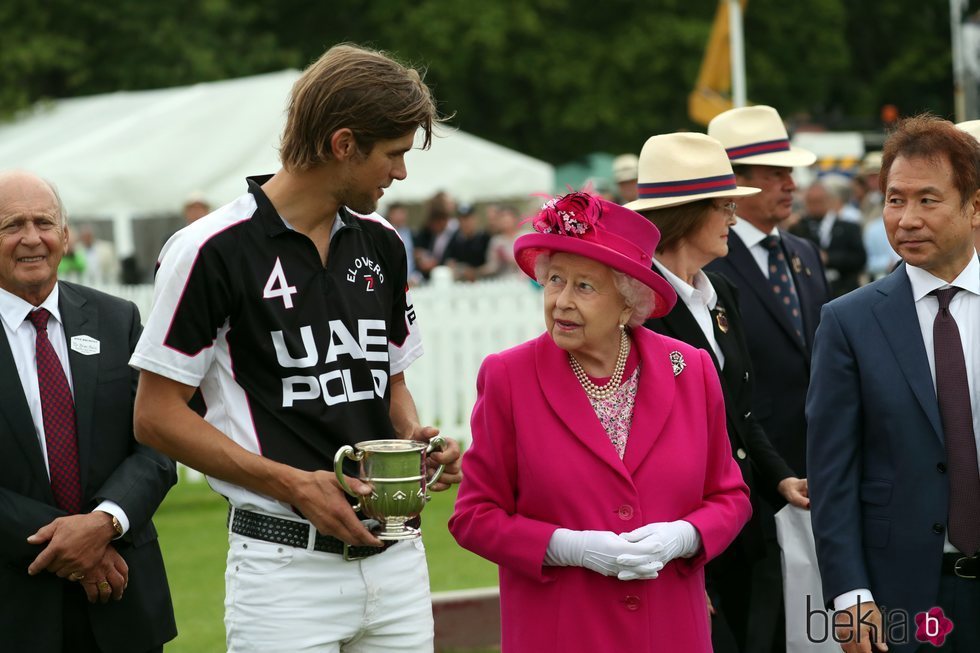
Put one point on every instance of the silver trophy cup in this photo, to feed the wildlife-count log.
(396, 471)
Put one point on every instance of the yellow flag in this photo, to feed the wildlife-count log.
(712, 92)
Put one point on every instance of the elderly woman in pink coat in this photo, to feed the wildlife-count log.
(600, 478)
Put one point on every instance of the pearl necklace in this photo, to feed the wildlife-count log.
(605, 392)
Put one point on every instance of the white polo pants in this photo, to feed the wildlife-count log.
(282, 599)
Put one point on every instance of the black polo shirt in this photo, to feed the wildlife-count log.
(293, 358)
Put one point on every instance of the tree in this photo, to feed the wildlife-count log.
(554, 78)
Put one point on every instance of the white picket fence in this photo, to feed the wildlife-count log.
(461, 323)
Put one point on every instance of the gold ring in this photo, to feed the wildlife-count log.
(76, 576)
(104, 586)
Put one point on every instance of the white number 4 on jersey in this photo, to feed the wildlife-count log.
(277, 286)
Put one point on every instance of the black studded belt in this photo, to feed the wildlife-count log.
(296, 533)
(957, 564)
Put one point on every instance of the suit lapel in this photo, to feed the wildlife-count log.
(680, 324)
(744, 263)
(80, 318)
(728, 349)
(567, 398)
(896, 315)
(15, 410)
(654, 397)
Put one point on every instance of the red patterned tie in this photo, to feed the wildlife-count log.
(58, 416)
(953, 393)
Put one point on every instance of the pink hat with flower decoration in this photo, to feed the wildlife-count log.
(589, 226)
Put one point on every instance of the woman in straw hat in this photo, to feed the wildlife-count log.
(600, 478)
(688, 191)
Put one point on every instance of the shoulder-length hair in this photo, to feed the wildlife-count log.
(364, 90)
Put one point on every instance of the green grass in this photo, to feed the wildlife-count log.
(194, 539)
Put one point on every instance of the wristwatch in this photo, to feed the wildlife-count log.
(117, 527)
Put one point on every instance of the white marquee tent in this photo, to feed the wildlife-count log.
(128, 155)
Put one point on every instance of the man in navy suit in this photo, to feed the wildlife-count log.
(893, 412)
(781, 286)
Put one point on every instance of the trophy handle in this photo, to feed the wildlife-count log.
(338, 468)
(438, 442)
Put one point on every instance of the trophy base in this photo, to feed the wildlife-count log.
(396, 529)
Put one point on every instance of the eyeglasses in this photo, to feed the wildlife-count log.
(728, 208)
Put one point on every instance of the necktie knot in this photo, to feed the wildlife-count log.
(39, 319)
(770, 242)
(945, 296)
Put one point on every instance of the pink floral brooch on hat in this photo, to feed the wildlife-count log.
(573, 214)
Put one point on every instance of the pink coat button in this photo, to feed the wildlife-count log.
(632, 602)
(625, 512)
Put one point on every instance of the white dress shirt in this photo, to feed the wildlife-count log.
(700, 299)
(21, 337)
(753, 238)
(965, 309)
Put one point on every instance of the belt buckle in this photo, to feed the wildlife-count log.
(956, 568)
(347, 554)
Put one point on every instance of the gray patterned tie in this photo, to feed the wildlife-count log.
(782, 285)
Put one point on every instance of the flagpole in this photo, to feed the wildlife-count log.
(956, 44)
(737, 47)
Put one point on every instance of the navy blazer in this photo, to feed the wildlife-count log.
(780, 359)
(113, 466)
(878, 482)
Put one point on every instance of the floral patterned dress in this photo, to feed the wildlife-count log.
(616, 413)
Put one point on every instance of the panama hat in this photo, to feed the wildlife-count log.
(587, 225)
(756, 136)
(871, 163)
(624, 167)
(971, 127)
(682, 168)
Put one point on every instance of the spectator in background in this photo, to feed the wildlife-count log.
(871, 200)
(72, 265)
(839, 240)
(398, 218)
(881, 257)
(972, 127)
(101, 264)
(625, 174)
(467, 251)
(196, 206)
(841, 189)
(434, 237)
(500, 251)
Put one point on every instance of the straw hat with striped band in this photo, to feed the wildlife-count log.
(756, 136)
(971, 127)
(682, 168)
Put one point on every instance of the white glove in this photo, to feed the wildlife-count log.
(598, 551)
(659, 542)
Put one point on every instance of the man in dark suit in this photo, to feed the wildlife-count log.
(893, 408)
(81, 567)
(781, 286)
(841, 242)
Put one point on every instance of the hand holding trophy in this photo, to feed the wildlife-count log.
(396, 471)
